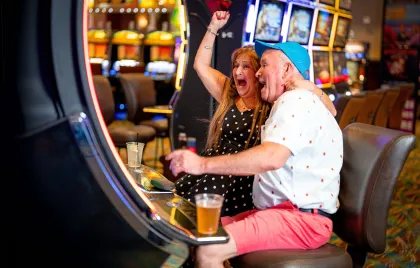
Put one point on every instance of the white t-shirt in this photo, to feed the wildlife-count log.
(311, 176)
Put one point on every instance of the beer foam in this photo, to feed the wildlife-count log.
(209, 203)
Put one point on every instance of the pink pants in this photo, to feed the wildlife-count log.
(281, 227)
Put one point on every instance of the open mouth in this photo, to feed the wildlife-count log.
(241, 82)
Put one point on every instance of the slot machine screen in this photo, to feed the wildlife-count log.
(340, 73)
(300, 24)
(323, 28)
(328, 2)
(353, 70)
(345, 4)
(269, 21)
(343, 27)
(321, 63)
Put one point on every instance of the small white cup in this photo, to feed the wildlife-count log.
(134, 153)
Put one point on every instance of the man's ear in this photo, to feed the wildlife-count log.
(288, 70)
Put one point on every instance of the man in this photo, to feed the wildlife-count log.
(297, 165)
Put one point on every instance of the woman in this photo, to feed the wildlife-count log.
(236, 123)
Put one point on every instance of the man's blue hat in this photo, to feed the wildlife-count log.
(296, 53)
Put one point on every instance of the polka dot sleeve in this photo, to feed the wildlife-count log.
(290, 120)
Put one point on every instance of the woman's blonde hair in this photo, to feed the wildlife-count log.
(229, 94)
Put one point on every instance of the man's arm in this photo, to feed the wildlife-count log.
(265, 157)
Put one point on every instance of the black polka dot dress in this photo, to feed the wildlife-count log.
(237, 190)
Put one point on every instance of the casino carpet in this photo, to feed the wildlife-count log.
(403, 234)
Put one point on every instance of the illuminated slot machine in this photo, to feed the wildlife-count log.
(338, 55)
(321, 41)
(322, 68)
(300, 20)
(98, 45)
(128, 44)
(159, 47)
(269, 21)
(340, 72)
(356, 64)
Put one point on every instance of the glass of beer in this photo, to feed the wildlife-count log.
(208, 212)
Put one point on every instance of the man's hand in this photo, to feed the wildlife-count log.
(185, 161)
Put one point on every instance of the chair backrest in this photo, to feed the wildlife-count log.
(105, 97)
(351, 110)
(384, 109)
(369, 107)
(373, 159)
(139, 91)
(340, 103)
(395, 116)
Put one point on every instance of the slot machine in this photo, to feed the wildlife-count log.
(194, 106)
(356, 64)
(77, 204)
(339, 61)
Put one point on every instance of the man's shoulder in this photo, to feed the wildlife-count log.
(303, 94)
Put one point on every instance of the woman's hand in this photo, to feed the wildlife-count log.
(219, 20)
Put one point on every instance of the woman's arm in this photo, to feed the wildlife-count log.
(212, 79)
(306, 84)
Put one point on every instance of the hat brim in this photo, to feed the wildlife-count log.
(260, 47)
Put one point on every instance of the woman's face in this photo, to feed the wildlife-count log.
(244, 75)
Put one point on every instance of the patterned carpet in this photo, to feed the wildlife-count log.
(403, 234)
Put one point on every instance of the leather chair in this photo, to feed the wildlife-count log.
(373, 159)
(351, 110)
(139, 91)
(395, 116)
(369, 107)
(340, 103)
(120, 134)
(382, 115)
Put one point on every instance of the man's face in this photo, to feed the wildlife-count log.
(271, 75)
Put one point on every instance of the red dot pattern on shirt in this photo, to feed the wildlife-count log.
(324, 153)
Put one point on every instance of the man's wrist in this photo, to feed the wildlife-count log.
(204, 165)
